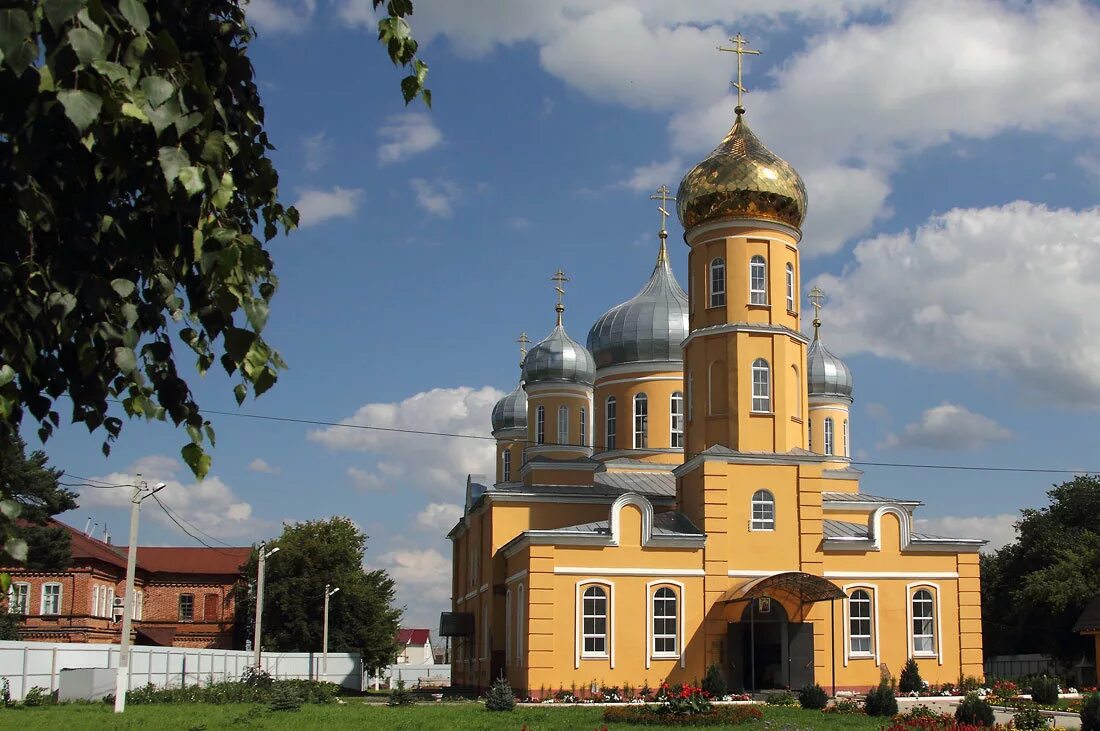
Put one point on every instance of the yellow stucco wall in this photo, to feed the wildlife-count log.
(658, 387)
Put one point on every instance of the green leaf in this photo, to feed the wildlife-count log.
(87, 44)
(5, 583)
(15, 28)
(191, 179)
(196, 459)
(10, 509)
(125, 359)
(16, 548)
(59, 12)
(157, 89)
(225, 191)
(172, 160)
(129, 109)
(240, 392)
(7, 374)
(135, 14)
(124, 287)
(81, 107)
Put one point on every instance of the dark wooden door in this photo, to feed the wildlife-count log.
(735, 656)
(800, 654)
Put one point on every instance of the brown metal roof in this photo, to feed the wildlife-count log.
(1089, 621)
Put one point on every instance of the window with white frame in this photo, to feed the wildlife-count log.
(859, 623)
(924, 623)
(829, 435)
(594, 622)
(540, 425)
(846, 452)
(758, 281)
(109, 604)
(717, 282)
(137, 610)
(97, 601)
(583, 431)
(506, 465)
(609, 421)
(19, 598)
(641, 421)
(664, 622)
(676, 420)
(761, 386)
(187, 608)
(790, 288)
(563, 425)
(763, 510)
(51, 598)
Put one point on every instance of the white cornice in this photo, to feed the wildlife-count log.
(746, 327)
(693, 236)
(642, 379)
(891, 574)
(653, 366)
(597, 571)
(556, 388)
(562, 466)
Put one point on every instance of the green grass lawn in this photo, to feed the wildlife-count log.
(358, 715)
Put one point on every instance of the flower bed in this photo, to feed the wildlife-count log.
(657, 716)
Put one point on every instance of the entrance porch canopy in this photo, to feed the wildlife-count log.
(807, 587)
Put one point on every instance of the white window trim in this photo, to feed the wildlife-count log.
(578, 627)
(95, 600)
(711, 291)
(829, 429)
(583, 427)
(640, 398)
(910, 590)
(752, 504)
(137, 611)
(26, 597)
(847, 453)
(764, 292)
(790, 288)
(690, 396)
(873, 589)
(767, 370)
(563, 425)
(651, 588)
(60, 595)
(540, 425)
(506, 464)
(673, 432)
(610, 423)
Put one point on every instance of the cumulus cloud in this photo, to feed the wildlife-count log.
(439, 517)
(280, 16)
(435, 465)
(1009, 290)
(647, 178)
(405, 135)
(317, 150)
(366, 481)
(316, 205)
(949, 427)
(999, 530)
(210, 505)
(437, 197)
(261, 465)
(423, 579)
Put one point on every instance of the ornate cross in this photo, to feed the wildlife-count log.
(740, 50)
(523, 341)
(663, 196)
(559, 280)
(817, 298)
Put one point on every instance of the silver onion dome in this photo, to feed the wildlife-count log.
(828, 375)
(511, 411)
(649, 327)
(559, 358)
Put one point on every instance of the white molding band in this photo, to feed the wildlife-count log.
(642, 379)
(754, 574)
(597, 571)
(655, 366)
(756, 224)
(891, 574)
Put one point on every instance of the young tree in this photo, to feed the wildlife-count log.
(362, 617)
(136, 197)
(31, 484)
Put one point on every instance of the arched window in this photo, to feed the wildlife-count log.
(563, 424)
(761, 386)
(796, 392)
(506, 465)
(641, 421)
(846, 452)
(790, 288)
(610, 421)
(717, 282)
(691, 395)
(829, 435)
(594, 621)
(583, 426)
(859, 623)
(763, 510)
(758, 281)
(664, 622)
(924, 623)
(676, 414)
(540, 425)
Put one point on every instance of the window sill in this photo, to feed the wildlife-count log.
(861, 656)
(716, 307)
(761, 530)
(594, 656)
(792, 313)
(930, 655)
(665, 656)
(769, 414)
(758, 306)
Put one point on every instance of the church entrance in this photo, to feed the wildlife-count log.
(769, 651)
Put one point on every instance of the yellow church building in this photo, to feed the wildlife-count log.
(679, 492)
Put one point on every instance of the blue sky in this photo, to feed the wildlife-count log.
(952, 156)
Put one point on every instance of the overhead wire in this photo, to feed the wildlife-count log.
(189, 533)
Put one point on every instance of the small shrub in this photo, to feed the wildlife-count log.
(921, 711)
(812, 697)
(682, 700)
(37, 696)
(714, 682)
(969, 684)
(881, 700)
(974, 710)
(1044, 690)
(782, 699)
(255, 676)
(399, 696)
(284, 698)
(846, 706)
(648, 716)
(1030, 719)
(5, 692)
(1090, 713)
(500, 696)
(910, 680)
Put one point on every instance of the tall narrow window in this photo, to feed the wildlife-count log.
(137, 611)
(508, 626)
(846, 452)
(540, 425)
(51, 599)
(676, 414)
(563, 425)
(761, 386)
(859, 623)
(520, 630)
(19, 599)
(594, 621)
(717, 282)
(763, 510)
(758, 281)
(506, 465)
(97, 608)
(790, 288)
(924, 625)
(664, 622)
(691, 395)
(583, 431)
(187, 608)
(641, 421)
(829, 435)
(610, 419)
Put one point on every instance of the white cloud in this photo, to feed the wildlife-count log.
(423, 581)
(275, 16)
(439, 517)
(1009, 290)
(431, 464)
(845, 202)
(1087, 161)
(366, 481)
(437, 197)
(647, 178)
(405, 135)
(261, 465)
(211, 505)
(949, 427)
(358, 13)
(315, 205)
(317, 150)
(997, 529)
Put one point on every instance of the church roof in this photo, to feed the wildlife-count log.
(511, 411)
(843, 530)
(662, 484)
(827, 374)
(862, 497)
(671, 523)
(559, 358)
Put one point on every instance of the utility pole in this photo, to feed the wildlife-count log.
(122, 679)
(264, 555)
(324, 641)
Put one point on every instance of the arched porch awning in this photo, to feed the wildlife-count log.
(807, 587)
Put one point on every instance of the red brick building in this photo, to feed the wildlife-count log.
(183, 596)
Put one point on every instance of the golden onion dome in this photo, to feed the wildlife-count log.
(741, 179)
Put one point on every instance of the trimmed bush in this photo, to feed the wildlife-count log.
(1090, 713)
(812, 697)
(399, 696)
(714, 682)
(500, 697)
(1044, 690)
(307, 691)
(974, 710)
(1030, 719)
(283, 698)
(881, 701)
(782, 699)
(717, 716)
(910, 680)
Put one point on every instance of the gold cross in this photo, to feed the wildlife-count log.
(523, 341)
(559, 279)
(740, 50)
(663, 196)
(817, 297)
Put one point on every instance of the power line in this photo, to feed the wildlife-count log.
(192, 525)
(189, 533)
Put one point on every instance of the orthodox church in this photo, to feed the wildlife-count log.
(678, 492)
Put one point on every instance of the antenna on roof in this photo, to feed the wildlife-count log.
(106, 535)
(88, 527)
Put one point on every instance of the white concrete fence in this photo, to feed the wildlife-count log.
(26, 665)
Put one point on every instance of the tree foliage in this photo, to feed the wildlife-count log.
(1033, 590)
(362, 617)
(136, 197)
(30, 484)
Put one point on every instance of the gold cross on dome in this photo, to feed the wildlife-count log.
(523, 341)
(817, 298)
(662, 195)
(559, 280)
(740, 50)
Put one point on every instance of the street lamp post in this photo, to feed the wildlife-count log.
(122, 679)
(324, 640)
(264, 555)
